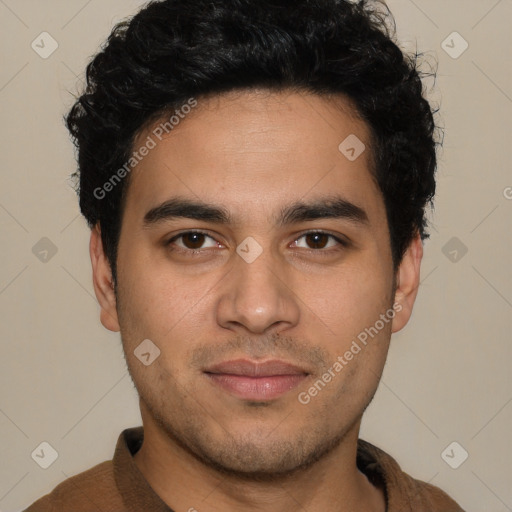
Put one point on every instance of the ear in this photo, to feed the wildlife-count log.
(408, 281)
(102, 281)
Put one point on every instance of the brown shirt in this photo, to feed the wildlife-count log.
(119, 486)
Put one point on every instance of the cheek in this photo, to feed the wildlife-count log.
(164, 307)
(349, 300)
(147, 290)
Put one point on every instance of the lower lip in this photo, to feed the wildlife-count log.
(256, 388)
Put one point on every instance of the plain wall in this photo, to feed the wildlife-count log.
(63, 379)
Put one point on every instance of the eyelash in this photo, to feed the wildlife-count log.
(323, 252)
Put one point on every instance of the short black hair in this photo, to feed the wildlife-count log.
(175, 50)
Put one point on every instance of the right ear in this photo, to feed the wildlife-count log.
(103, 282)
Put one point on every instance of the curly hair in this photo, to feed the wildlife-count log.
(173, 50)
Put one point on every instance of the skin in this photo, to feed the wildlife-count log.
(254, 152)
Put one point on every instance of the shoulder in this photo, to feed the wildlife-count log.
(403, 492)
(94, 489)
(421, 497)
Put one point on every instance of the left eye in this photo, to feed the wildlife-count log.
(319, 240)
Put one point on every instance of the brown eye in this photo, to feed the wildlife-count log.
(193, 240)
(317, 240)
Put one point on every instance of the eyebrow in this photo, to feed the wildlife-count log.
(330, 207)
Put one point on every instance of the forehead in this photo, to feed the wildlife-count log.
(255, 150)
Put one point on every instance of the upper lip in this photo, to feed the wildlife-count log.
(244, 367)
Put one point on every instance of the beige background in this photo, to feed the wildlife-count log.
(62, 375)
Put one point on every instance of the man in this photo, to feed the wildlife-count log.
(255, 175)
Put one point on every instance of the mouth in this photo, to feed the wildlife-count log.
(250, 380)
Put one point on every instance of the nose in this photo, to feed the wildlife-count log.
(258, 297)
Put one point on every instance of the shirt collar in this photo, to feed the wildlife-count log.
(136, 492)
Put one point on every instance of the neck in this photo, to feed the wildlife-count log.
(334, 483)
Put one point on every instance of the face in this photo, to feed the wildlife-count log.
(258, 295)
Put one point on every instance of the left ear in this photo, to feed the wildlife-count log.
(408, 282)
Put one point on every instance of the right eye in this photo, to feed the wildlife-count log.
(191, 242)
